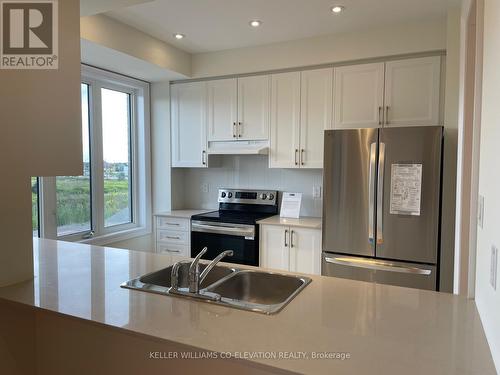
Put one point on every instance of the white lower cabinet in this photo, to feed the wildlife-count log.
(290, 248)
(173, 235)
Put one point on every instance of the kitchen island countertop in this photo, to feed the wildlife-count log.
(383, 329)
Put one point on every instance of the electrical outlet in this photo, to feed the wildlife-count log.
(205, 187)
(316, 192)
(493, 267)
(480, 212)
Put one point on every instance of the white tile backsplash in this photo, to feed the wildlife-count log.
(245, 172)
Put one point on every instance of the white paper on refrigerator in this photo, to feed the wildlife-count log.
(290, 205)
(406, 189)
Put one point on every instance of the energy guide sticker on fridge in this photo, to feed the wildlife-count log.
(406, 189)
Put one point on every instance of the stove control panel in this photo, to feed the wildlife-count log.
(242, 196)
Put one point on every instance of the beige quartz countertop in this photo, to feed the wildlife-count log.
(385, 329)
(182, 213)
(304, 221)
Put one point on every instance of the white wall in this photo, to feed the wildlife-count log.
(249, 172)
(160, 146)
(451, 106)
(383, 41)
(40, 122)
(110, 33)
(487, 299)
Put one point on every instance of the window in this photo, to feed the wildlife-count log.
(73, 193)
(116, 157)
(110, 201)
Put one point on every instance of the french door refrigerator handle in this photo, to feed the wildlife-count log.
(371, 192)
(376, 265)
(380, 194)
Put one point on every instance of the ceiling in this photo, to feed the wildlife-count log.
(90, 7)
(212, 25)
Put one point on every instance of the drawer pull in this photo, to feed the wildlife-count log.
(376, 265)
(176, 224)
(173, 237)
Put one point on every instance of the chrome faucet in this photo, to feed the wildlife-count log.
(174, 278)
(194, 277)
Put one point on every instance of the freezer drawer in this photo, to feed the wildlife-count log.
(409, 275)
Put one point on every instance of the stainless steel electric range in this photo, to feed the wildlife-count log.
(233, 226)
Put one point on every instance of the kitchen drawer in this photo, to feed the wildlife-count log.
(173, 236)
(173, 223)
(170, 248)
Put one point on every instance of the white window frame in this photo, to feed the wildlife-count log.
(140, 165)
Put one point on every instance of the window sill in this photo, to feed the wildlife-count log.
(123, 235)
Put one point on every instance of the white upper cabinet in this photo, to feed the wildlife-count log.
(189, 106)
(222, 109)
(301, 109)
(293, 109)
(285, 120)
(412, 91)
(253, 107)
(315, 115)
(359, 96)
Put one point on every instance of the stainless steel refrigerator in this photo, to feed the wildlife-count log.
(382, 205)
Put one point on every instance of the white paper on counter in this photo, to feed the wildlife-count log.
(290, 205)
(406, 189)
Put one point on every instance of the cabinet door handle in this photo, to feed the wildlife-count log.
(203, 157)
(240, 129)
(286, 234)
(379, 115)
(235, 129)
(302, 156)
(387, 115)
(291, 238)
(296, 153)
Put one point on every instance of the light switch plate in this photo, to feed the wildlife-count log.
(493, 267)
(317, 192)
(480, 212)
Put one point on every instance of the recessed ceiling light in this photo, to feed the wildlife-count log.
(255, 23)
(338, 8)
(179, 36)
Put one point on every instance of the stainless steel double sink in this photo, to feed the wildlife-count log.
(252, 290)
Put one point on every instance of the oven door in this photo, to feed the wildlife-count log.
(218, 237)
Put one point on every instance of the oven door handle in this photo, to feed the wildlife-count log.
(244, 231)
